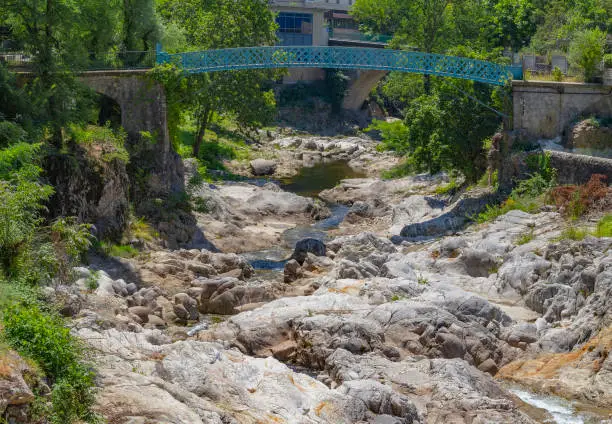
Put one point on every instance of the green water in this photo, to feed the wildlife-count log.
(313, 180)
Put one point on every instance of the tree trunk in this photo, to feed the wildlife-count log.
(427, 84)
(203, 124)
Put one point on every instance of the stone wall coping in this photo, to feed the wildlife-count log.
(562, 87)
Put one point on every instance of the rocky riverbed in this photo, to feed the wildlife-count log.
(369, 322)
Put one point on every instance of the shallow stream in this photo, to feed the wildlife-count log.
(561, 411)
(309, 182)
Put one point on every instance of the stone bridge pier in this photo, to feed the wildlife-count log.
(143, 110)
(362, 83)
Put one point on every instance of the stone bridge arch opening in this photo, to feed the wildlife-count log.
(109, 111)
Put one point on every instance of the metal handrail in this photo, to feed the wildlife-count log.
(95, 61)
(341, 58)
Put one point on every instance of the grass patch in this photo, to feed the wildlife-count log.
(449, 188)
(604, 227)
(118, 250)
(525, 238)
(110, 143)
(528, 196)
(92, 281)
(525, 204)
(222, 142)
(398, 171)
(422, 280)
(573, 233)
(142, 230)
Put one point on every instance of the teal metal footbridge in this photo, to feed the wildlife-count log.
(360, 58)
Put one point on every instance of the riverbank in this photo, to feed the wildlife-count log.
(350, 327)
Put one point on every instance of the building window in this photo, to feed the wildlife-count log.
(294, 29)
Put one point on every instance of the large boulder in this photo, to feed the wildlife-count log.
(590, 134)
(15, 394)
(306, 246)
(225, 295)
(263, 167)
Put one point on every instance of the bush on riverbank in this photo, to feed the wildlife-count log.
(33, 254)
(43, 337)
(529, 195)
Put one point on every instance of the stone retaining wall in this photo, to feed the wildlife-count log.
(543, 110)
(577, 169)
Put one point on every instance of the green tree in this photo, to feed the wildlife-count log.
(445, 130)
(561, 20)
(141, 28)
(21, 202)
(515, 22)
(214, 24)
(586, 52)
(58, 34)
(425, 24)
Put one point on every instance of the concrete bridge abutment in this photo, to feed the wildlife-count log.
(361, 85)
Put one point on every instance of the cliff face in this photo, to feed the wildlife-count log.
(92, 184)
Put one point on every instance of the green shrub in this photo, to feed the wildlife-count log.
(586, 52)
(573, 233)
(525, 238)
(21, 201)
(142, 230)
(403, 169)
(118, 250)
(449, 188)
(336, 84)
(557, 74)
(604, 227)
(92, 281)
(44, 338)
(394, 135)
(112, 141)
(301, 94)
(540, 164)
(69, 239)
(607, 60)
(527, 196)
(11, 133)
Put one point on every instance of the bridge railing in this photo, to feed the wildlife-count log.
(341, 58)
(359, 37)
(125, 60)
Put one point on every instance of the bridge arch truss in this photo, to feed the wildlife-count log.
(342, 58)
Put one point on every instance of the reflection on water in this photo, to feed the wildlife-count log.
(269, 259)
(313, 180)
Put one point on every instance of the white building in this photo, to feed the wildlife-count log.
(308, 22)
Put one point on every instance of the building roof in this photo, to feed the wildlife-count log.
(314, 4)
